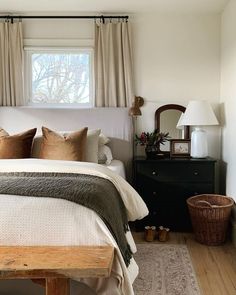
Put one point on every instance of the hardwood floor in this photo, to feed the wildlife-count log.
(215, 267)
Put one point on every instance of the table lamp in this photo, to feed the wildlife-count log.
(198, 113)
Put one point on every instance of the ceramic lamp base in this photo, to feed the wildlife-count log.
(199, 147)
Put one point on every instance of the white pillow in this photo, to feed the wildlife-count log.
(104, 155)
(103, 139)
(91, 154)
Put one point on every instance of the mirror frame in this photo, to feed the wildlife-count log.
(170, 107)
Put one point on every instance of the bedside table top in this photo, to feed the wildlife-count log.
(144, 159)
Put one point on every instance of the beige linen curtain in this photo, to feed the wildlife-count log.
(113, 65)
(11, 64)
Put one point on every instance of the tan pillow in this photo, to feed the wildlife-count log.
(91, 150)
(16, 146)
(57, 147)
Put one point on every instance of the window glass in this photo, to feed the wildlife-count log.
(60, 77)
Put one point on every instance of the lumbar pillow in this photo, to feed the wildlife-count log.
(16, 146)
(57, 147)
(104, 155)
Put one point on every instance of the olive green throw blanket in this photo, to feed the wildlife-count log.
(93, 192)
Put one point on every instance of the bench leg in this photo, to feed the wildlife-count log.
(57, 286)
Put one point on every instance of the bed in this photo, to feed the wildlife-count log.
(28, 220)
(117, 166)
(114, 123)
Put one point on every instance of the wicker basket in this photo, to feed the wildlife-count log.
(210, 217)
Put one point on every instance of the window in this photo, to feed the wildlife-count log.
(59, 77)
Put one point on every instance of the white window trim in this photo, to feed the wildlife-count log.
(29, 50)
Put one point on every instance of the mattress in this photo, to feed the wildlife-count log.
(117, 166)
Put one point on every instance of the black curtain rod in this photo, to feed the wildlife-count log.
(65, 16)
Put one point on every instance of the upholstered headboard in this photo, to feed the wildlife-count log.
(114, 123)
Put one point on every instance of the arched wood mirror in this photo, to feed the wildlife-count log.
(166, 119)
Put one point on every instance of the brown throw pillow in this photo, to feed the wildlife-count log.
(16, 146)
(57, 147)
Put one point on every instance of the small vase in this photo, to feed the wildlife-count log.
(152, 151)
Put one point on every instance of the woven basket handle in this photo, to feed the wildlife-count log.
(204, 203)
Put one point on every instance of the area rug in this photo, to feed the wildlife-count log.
(165, 270)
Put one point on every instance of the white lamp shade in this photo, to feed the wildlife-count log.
(180, 124)
(198, 113)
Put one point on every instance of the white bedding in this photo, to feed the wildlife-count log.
(116, 166)
(46, 221)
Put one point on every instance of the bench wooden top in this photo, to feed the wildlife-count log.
(54, 261)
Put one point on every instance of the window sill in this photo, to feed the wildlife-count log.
(74, 107)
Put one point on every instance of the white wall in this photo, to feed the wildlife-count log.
(228, 96)
(58, 29)
(177, 59)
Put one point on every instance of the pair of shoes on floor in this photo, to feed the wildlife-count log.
(151, 233)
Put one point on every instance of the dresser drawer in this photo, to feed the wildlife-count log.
(173, 193)
(172, 171)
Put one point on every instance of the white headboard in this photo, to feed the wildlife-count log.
(114, 123)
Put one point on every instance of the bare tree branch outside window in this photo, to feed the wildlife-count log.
(60, 78)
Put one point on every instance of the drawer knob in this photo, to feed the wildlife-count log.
(154, 173)
(154, 193)
(195, 173)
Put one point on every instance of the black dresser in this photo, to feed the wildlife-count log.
(165, 184)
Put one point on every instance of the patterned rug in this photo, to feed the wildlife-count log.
(165, 270)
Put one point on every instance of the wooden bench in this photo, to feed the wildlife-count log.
(55, 264)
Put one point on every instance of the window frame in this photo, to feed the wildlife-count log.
(29, 50)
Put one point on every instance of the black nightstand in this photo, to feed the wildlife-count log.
(165, 184)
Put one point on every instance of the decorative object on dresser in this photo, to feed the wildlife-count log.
(198, 113)
(180, 148)
(166, 119)
(152, 141)
(165, 184)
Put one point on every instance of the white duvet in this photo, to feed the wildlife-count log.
(47, 221)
